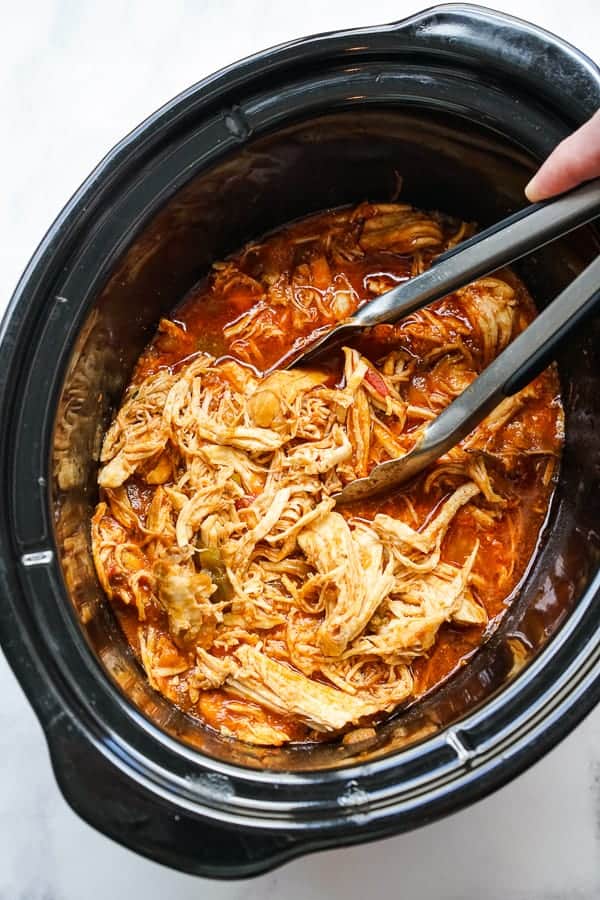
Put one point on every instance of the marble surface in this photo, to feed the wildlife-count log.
(75, 75)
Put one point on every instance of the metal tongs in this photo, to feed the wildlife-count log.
(517, 365)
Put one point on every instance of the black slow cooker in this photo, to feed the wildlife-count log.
(457, 103)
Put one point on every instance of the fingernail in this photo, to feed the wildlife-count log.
(530, 191)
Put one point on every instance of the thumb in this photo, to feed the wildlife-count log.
(574, 160)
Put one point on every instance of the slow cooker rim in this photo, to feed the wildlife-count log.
(54, 237)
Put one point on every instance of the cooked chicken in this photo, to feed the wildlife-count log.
(431, 536)
(352, 562)
(318, 457)
(423, 604)
(258, 605)
(139, 432)
(276, 394)
(186, 597)
(325, 708)
(490, 304)
(403, 230)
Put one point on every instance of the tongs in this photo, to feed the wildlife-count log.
(517, 365)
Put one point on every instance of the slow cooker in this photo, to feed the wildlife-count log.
(458, 105)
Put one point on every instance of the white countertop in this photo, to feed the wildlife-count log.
(74, 78)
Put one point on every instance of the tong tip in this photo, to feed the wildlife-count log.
(331, 340)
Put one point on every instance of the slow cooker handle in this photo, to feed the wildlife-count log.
(120, 807)
(474, 37)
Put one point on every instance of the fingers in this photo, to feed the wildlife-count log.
(574, 160)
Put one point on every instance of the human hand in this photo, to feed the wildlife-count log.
(574, 160)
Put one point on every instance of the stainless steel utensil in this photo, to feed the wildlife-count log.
(518, 364)
(515, 367)
(503, 243)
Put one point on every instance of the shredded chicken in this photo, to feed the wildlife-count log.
(355, 581)
(217, 523)
(282, 689)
